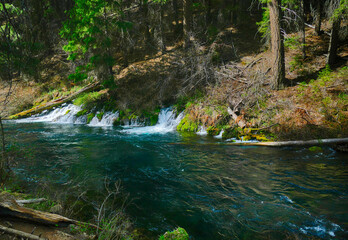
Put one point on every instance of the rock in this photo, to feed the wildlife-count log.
(56, 209)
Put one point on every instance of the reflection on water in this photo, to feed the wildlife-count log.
(213, 191)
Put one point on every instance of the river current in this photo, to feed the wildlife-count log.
(214, 191)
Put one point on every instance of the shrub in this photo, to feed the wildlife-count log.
(177, 234)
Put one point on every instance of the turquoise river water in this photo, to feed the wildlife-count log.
(214, 191)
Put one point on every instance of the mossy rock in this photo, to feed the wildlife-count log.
(177, 234)
(213, 131)
(315, 149)
(261, 138)
(67, 112)
(232, 132)
(153, 119)
(187, 125)
(81, 113)
(100, 116)
(90, 117)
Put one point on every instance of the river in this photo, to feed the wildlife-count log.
(214, 191)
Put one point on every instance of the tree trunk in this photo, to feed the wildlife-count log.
(161, 29)
(334, 39)
(318, 18)
(176, 17)
(303, 29)
(277, 45)
(208, 12)
(187, 22)
(145, 10)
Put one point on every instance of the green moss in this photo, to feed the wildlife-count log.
(90, 117)
(153, 119)
(232, 132)
(81, 113)
(213, 131)
(67, 112)
(177, 234)
(187, 125)
(100, 116)
(88, 99)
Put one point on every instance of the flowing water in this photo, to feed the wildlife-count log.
(212, 190)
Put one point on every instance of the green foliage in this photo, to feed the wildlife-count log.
(88, 32)
(296, 63)
(43, 206)
(186, 101)
(264, 24)
(340, 11)
(325, 73)
(292, 43)
(177, 234)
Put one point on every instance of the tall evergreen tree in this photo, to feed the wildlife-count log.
(277, 44)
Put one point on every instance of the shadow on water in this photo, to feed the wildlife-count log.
(214, 191)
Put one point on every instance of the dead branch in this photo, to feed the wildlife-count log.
(28, 201)
(20, 233)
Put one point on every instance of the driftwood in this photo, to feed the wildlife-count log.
(276, 144)
(28, 201)
(55, 103)
(9, 207)
(238, 119)
(294, 143)
(20, 233)
(311, 26)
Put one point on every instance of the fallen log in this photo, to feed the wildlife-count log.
(20, 233)
(276, 144)
(9, 207)
(55, 103)
(28, 201)
(294, 143)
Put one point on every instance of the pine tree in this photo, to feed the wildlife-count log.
(277, 44)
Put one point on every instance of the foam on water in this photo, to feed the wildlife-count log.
(167, 122)
(220, 134)
(65, 114)
(202, 131)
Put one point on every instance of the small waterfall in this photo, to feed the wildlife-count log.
(107, 120)
(167, 122)
(202, 131)
(64, 114)
(220, 134)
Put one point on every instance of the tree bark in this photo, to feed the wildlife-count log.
(208, 12)
(21, 234)
(303, 29)
(187, 22)
(318, 16)
(176, 17)
(277, 44)
(334, 39)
